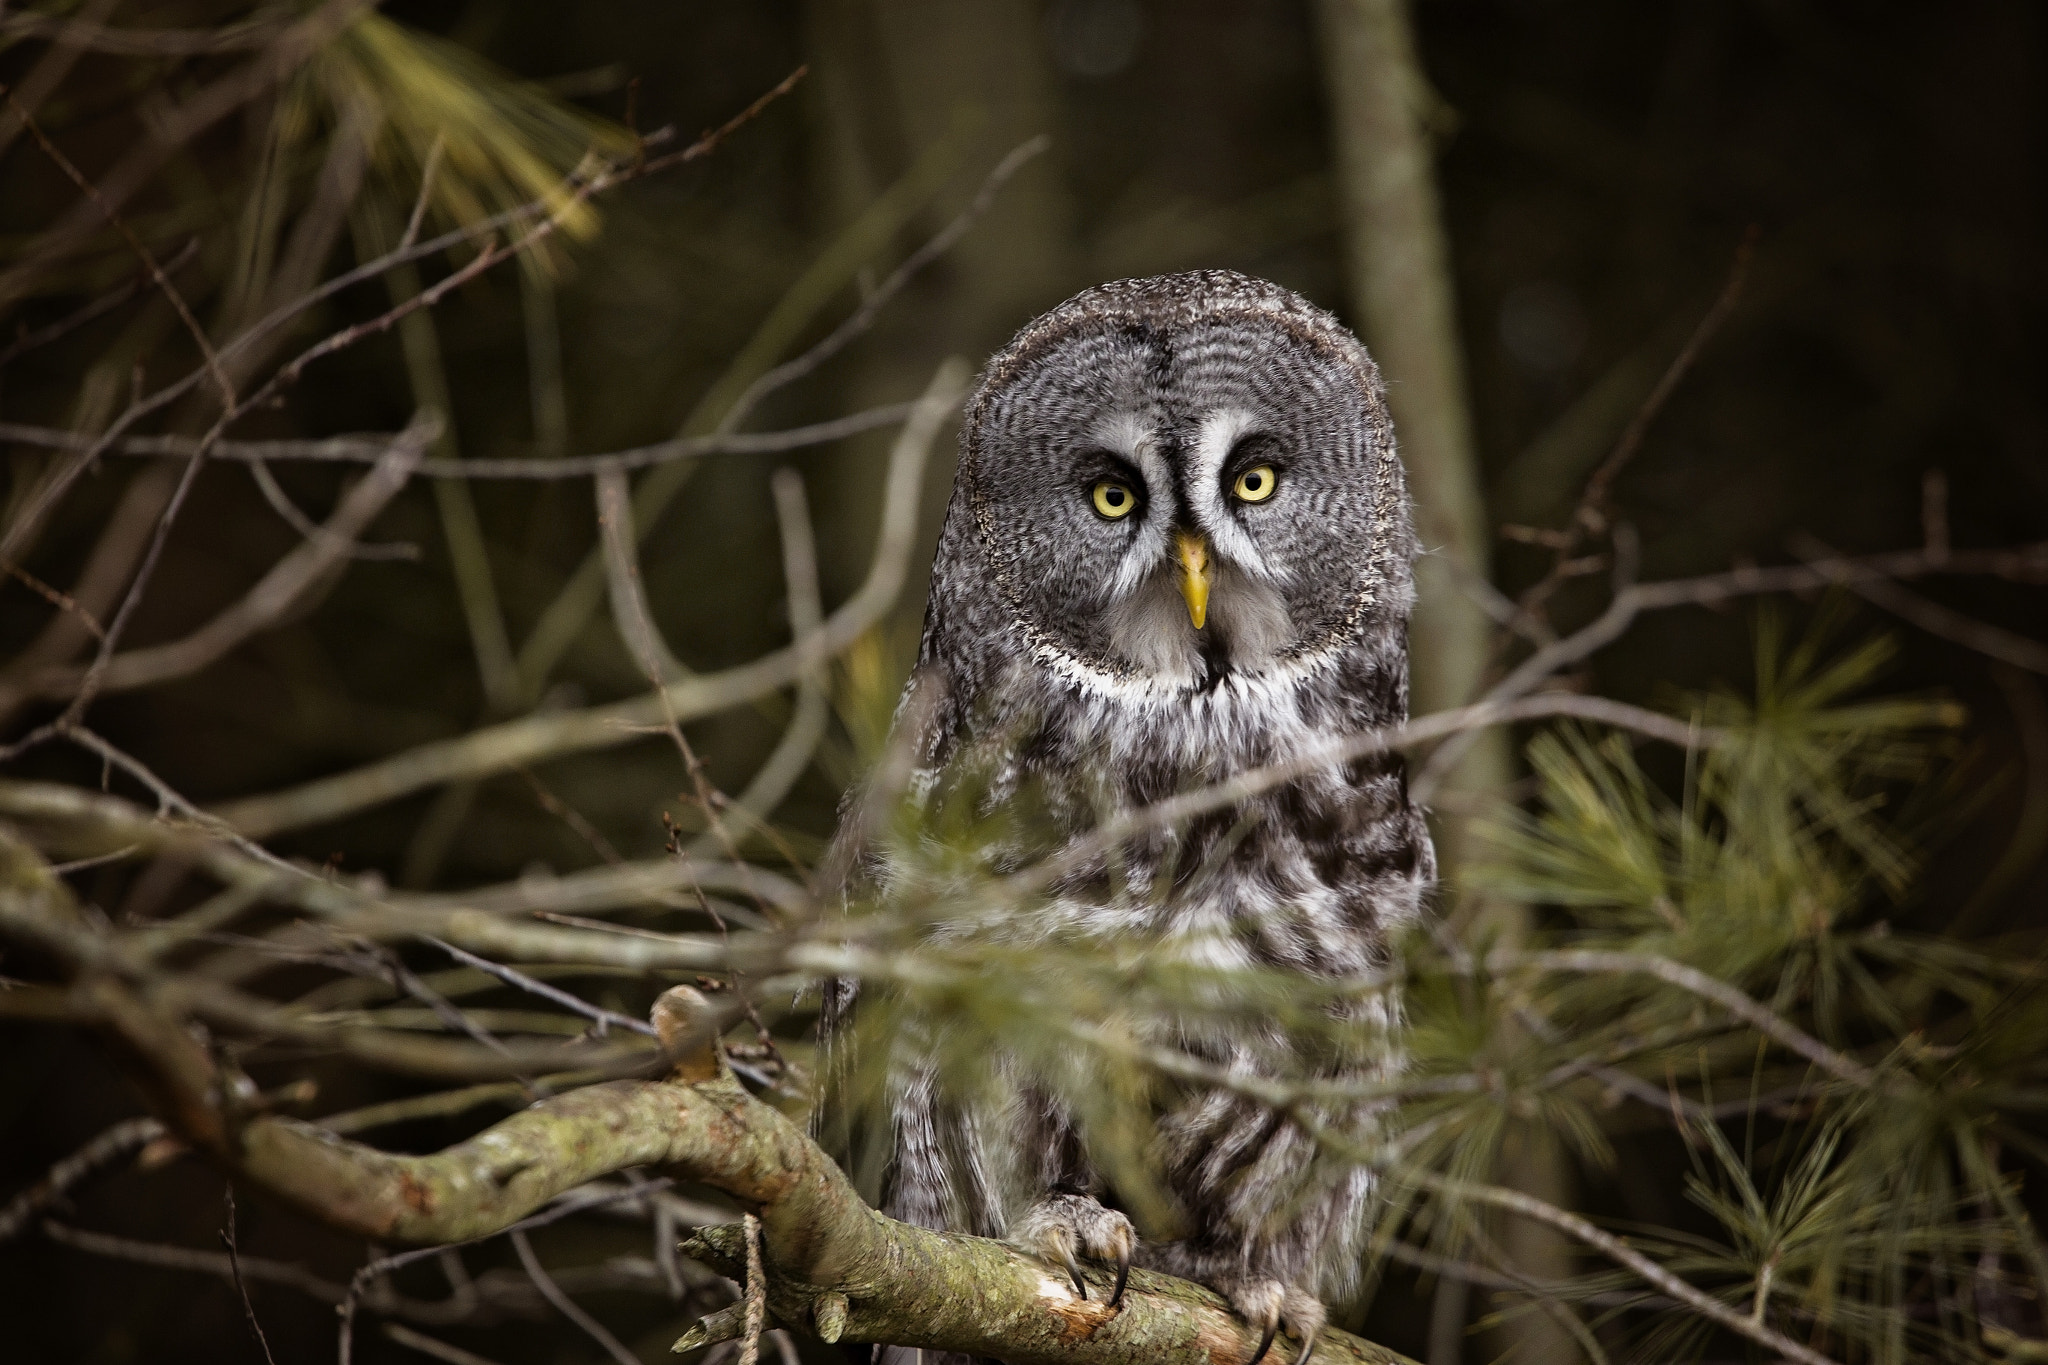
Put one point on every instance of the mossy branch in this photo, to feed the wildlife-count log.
(833, 1265)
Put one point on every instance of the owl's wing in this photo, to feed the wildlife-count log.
(851, 872)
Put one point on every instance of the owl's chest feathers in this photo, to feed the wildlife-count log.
(1307, 875)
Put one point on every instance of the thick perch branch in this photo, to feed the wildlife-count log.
(833, 1265)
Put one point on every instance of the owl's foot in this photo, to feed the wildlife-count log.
(1061, 1227)
(1269, 1306)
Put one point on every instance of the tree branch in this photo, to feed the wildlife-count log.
(829, 1259)
(272, 597)
(532, 739)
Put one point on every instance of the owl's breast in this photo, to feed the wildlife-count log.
(1310, 872)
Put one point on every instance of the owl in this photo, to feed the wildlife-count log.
(1178, 549)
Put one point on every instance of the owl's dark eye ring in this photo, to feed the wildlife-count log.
(1256, 484)
(1113, 501)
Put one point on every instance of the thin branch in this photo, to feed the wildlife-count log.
(567, 1306)
(785, 765)
(572, 1202)
(170, 802)
(227, 1239)
(99, 307)
(62, 601)
(605, 1018)
(1618, 1250)
(1993, 642)
(541, 219)
(47, 74)
(150, 264)
(1592, 514)
(54, 488)
(241, 36)
(1177, 810)
(1764, 1020)
(420, 201)
(369, 448)
(1429, 1262)
(863, 317)
(281, 503)
(630, 612)
(272, 597)
(653, 881)
(2022, 563)
(1539, 667)
(117, 1142)
(278, 59)
(535, 738)
(1593, 501)
(212, 1263)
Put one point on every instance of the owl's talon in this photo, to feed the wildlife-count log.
(1074, 1274)
(1265, 1343)
(1064, 1228)
(1308, 1348)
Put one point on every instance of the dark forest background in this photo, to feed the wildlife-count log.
(1600, 164)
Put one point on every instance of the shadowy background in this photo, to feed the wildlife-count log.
(1600, 161)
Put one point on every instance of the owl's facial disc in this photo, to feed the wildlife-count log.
(1182, 495)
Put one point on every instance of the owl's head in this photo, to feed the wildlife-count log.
(1187, 477)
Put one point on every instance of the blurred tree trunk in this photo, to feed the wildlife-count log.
(1398, 261)
(895, 80)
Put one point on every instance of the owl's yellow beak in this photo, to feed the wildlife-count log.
(1194, 582)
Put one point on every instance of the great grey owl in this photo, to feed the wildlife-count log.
(1178, 549)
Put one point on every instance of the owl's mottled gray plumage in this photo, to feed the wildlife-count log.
(1059, 657)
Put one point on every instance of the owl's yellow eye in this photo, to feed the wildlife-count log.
(1256, 484)
(1114, 500)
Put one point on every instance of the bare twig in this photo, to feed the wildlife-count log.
(99, 307)
(369, 448)
(278, 57)
(1233, 791)
(241, 36)
(227, 1239)
(2024, 563)
(1593, 501)
(212, 1263)
(1994, 642)
(1765, 1021)
(1593, 515)
(125, 1137)
(534, 738)
(792, 754)
(47, 74)
(567, 1306)
(281, 503)
(215, 103)
(157, 276)
(1619, 1251)
(605, 1018)
(262, 606)
(863, 317)
(572, 1202)
(630, 612)
(420, 201)
(61, 600)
